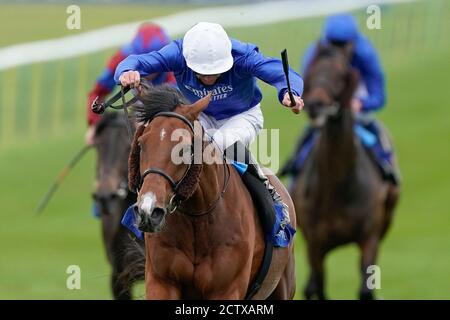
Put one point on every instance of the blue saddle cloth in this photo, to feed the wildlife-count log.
(282, 233)
(368, 138)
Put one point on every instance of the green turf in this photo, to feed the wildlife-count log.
(31, 22)
(414, 259)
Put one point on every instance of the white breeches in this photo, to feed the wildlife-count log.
(243, 127)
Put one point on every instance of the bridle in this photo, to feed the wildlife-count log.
(121, 192)
(100, 108)
(175, 199)
(332, 110)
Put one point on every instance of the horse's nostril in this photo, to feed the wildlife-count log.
(157, 216)
(314, 108)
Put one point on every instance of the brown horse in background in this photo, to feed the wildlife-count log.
(211, 246)
(112, 198)
(339, 195)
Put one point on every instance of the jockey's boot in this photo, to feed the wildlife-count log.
(383, 151)
(240, 153)
(388, 171)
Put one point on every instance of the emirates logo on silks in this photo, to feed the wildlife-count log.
(218, 93)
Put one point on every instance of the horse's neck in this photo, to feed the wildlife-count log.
(337, 149)
(208, 189)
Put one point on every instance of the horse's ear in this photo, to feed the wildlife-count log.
(134, 174)
(194, 110)
(352, 80)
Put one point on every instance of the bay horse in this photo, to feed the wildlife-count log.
(112, 198)
(211, 245)
(339, 195)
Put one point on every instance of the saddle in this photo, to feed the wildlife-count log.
(270, 216)
(264, 206)
(381, 155)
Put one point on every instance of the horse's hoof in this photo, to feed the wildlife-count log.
(366, 295)
(311, 294)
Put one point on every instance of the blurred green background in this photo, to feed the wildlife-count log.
(42, 125)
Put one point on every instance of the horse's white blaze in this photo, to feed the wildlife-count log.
(319, 121)
(148, 202)
(162, 134)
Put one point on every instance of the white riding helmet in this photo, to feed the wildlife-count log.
(207, 49)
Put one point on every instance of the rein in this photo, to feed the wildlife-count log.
(226, 179)
(100, 108)
(176, 198)
(125, 113)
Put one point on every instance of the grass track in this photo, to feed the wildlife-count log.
(35, 251)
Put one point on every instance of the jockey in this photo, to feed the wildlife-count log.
(342, 30)
(206, 61)
(149, 37)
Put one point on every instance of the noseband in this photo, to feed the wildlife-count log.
(333, 110)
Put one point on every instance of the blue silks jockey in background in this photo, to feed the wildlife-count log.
(342, 30)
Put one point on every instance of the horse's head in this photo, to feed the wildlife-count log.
(329, 82)
(164, 137)
(113, 147)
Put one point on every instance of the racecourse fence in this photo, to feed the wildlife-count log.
(48, 98)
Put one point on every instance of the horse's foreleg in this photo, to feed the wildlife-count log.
(159, 290)
(392, 197)
(369, 251)
(229, 295)
(234, 289)
(156, 288)
(315, 287)
(120, 290)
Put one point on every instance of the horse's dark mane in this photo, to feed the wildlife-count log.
(155, 99)
(326, 51)
(320, 71)
(108, 119)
